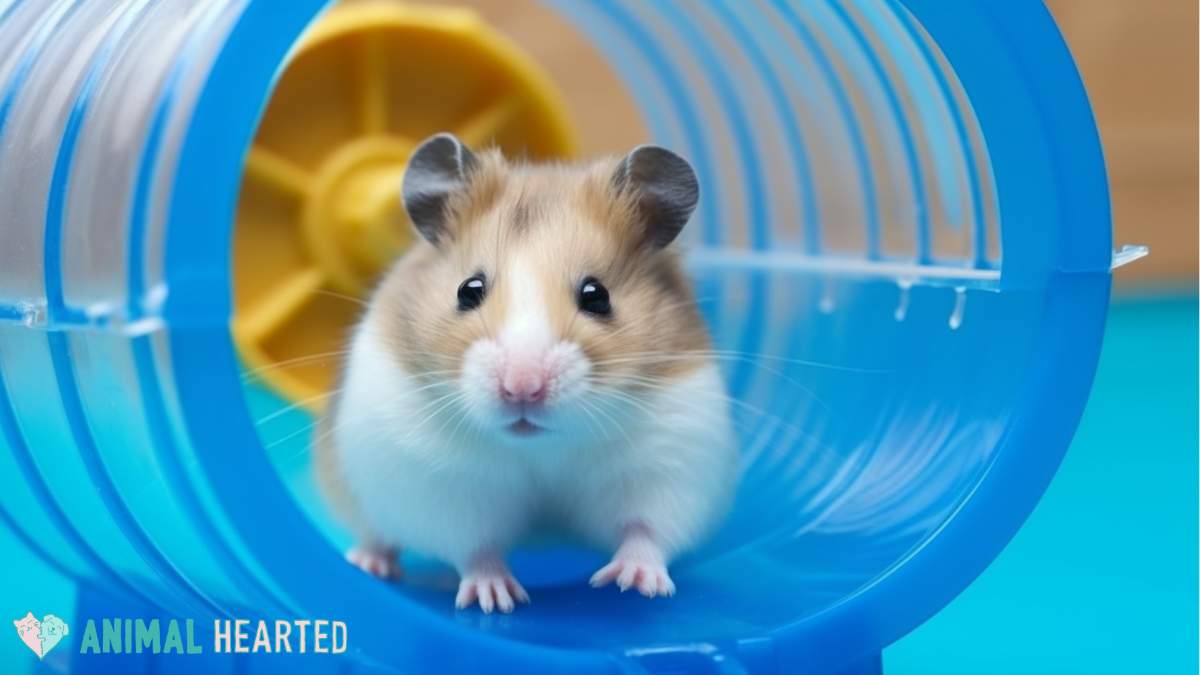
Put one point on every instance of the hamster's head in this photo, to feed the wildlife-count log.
(543, 299)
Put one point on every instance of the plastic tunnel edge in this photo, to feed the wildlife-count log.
(204, 360)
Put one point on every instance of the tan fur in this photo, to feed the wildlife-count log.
(570, 222)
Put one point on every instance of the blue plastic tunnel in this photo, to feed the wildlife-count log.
(904, 248)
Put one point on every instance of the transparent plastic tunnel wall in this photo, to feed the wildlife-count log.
(904, 239)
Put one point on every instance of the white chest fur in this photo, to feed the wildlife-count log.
(422, 479)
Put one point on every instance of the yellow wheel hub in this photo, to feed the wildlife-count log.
(353, 222)
(320, 214)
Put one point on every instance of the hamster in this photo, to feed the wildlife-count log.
(535, 362)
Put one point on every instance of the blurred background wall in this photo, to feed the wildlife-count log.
(1139, 62)
(607, 118)
(1102, 579)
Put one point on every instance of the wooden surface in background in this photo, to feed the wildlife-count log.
(1139, 62)
(1138, 59)
(607, 117)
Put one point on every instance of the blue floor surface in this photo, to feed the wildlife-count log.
(1102, 579)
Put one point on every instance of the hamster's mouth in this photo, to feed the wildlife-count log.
(523, 427)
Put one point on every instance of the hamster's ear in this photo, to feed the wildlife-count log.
(666, 190)
(438, 168)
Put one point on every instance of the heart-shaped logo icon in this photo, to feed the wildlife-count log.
(41, 636)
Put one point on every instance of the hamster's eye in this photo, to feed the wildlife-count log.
(593, 297)
(471, 293)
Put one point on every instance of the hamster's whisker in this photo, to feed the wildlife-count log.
(593, 409)
(632, 400)
(668, 358)
(342, 296)
(298, 404)
(741, 355)
(600, 409)
(312, 442)
(304, 429)
(593, 423)
(751, 356)
(671, 392)
(433, 357)
(426, 387)
(650, 358)
(312, 399)
(475, 429)
(693, 301)
(320, 437)
(461, 416)
(451, 418)
(686, 399)
(442, 403)
(251, 373)
(431, 376)
(308, 427)
(430, 408)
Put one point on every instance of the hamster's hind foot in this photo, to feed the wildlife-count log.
(639, 563)
(376, 561)
(490, 583)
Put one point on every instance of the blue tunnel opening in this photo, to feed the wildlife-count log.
(904, 249)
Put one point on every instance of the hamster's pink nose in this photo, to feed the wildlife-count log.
(523, 385)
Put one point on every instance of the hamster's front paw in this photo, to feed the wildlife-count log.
(490, 583)
(376, 561)
(638, 563)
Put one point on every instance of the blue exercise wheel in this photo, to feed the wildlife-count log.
(903, 251)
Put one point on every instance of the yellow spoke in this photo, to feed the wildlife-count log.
(483, 125)
(372, 85)
(277, 171)
(274, 308)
